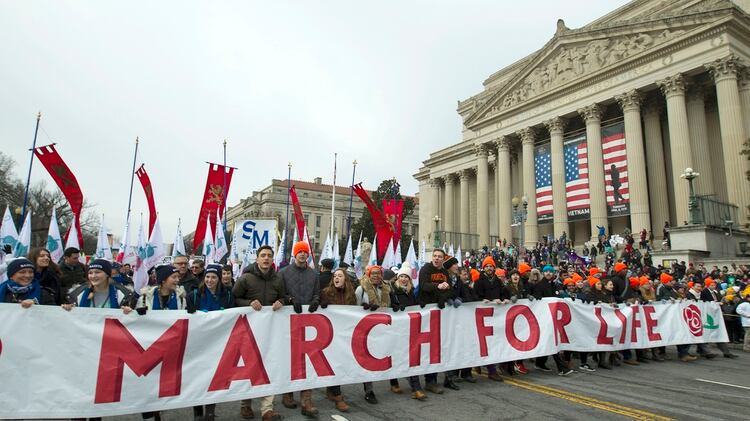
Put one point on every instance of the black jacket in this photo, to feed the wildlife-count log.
(490, 288)
(402, 298)
(324, 279)
(49, 279)
(543, 288)
(189, 282)
(224, 297)
(429, 279)
(254, 285)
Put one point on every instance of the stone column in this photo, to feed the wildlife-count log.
(465, 176)
(450, 181)
(531, 229)
(640, 216)
(696, 112)
(744, 81)
(559, 200)
(724, 71)
(436, 184)
(504, 211)
(483, 202)
(657, 174)
(592, 115)
(673, 88)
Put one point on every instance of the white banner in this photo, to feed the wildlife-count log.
(253, 233)
(100, 362)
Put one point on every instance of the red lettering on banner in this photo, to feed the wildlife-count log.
(242, 344)
(651, 323)
(359, 343)
(119, 348)
(560, 309)
(483, 331)
(301, 347)
(510, 332)
(623, 323)
(636, 324)
(602, 338)
(417, 338)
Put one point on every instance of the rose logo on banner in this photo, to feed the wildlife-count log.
(692, 316)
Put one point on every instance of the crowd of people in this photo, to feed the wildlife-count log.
(497, 276)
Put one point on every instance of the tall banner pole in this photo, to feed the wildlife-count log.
(351, 194)
(132, 176)
(286, 224)
(31, 162)
(333, 196)
(224, 190)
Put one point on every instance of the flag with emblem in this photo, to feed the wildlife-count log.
(179, 244)
(54, 239)
(24, 238)
(543, 175)
(577, 178)
(220, 246)
(8, 231)
(140, 273)
(155, 249)
(358, 266)
(208, 246)
(103, 249)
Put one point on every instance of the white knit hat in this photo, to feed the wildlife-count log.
(405, 270)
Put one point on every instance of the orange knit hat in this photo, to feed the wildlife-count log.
(634, 282)
(299, 247)
(576, 277)
(644, 280)
(569, 281)
(474, 275)
(488, 261)
(523, 268)
(665, 278)
(708, 282)
(593, 280)
(593, 270)
(500, 273)
(619, 266)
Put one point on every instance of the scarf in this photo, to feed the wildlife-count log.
(85, 302)
(171, 305)
(209, 301)
(31, 291)
(380, 296)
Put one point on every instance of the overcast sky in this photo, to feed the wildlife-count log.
(283, 81)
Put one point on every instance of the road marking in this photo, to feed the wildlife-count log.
(629, 412)
(724, 384)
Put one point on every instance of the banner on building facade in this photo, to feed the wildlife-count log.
(543, 176)
(106, 363)
(253, 233)
(577, 178)
(615, 170)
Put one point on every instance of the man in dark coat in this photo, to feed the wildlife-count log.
(433, 282)
(542, 289)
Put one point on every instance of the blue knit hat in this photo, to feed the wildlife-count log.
(163, 272)
(214, 268)
(19, 264)
(548, 268)
(102, 265)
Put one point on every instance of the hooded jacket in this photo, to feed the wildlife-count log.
(255, 285)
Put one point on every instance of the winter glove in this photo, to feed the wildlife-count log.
(441, 304)
(191, 309)
(373, 307)
(532, 298)
(141, 311)
(395, 307)
(324, 305)
(366, 306)
(422, 304)
(403, 307)
(513, 299)
(457, 303)
(449, 302)
(313, 306)
(573, 298)
(297, 307)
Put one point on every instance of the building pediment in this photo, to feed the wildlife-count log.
(575, 55)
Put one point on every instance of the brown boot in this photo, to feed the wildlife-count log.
(330, 396)
(340, 404)
(271, 416)
(307, 407)
(288, 400)
(246, 411)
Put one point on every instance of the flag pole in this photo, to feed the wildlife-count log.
(289, 187)
(132, 176)
(31, 162)
(224, 189)
(351, 192)
(333, 195)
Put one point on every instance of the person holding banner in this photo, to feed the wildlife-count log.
(260, 286)
(166, 295)
(544, 288)
(46, 272)
(100, 291)
(372, 293)
(22, 288)
(301, 288)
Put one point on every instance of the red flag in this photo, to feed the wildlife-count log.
(298, 217)
(213, 200)
(147, 189)
(65, 180)
(382, 227)
(394, 214)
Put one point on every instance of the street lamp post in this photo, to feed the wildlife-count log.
(437, 233)
(695, 214)
(519, 215)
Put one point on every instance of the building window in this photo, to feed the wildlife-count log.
(317, 221)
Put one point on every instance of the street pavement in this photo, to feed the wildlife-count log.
(716, 389)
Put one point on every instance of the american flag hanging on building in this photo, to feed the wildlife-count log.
(543, 175)
(577, 177)
(615, 169)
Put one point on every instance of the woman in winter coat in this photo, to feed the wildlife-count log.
(402, 296)
(516, 290)
(47, 272)
(22, 288)
(100, 291)
(339, 292)
(373, 293)
(166, 295)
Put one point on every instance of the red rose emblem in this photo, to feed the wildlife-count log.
(692, 316)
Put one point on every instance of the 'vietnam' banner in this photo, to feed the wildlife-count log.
(148, 190)
(66, 181)
(175, 359)
(219, 177)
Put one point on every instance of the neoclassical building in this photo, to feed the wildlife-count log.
(597, 128)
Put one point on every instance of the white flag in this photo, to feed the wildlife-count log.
(208, 245)
(389, 257)
(310, 257)
(103, 250)
(220, 246)
(72, 240)
(155, 249)
(327, 252)
(295, 239)
(358, 267)
(54, 240)
(451, 252)
(336, 252)
(423, 254)
(459, 256)
(397, 255)
(373, 259)
(125, 249)
(411, 259)
(140, 274)
(348, 254)
(179, 244)
(8, 231)
(24, 238)
(279, 258)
